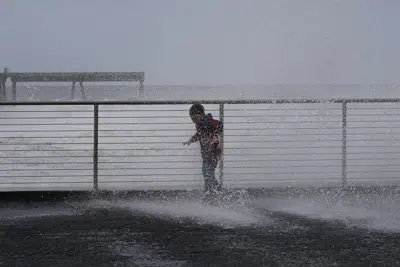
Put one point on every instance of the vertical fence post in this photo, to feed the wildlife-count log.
(3, 90)
(141, 88)
(344, 143)
(96, 147)
(221, 162)
(14, 90)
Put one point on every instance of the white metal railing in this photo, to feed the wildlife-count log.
(137, 145)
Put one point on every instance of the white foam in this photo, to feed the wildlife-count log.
(378, 216)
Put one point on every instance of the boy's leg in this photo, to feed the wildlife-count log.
(210, 182)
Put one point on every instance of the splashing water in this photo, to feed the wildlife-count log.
(225, 214)
(33, 90)
(232, 199)
(375, 216)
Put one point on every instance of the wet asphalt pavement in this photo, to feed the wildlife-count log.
(145, 233)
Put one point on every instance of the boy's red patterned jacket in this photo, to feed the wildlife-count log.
(208, 133)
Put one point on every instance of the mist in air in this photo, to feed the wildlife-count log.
(207, 42)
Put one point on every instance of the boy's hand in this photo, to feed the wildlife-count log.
(187, 143)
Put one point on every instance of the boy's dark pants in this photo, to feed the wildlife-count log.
(209, 166)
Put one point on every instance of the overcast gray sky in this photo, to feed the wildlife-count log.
(207, 41)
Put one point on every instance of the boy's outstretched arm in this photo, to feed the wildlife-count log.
(193, 139)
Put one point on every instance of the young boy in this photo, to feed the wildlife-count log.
(208, 134)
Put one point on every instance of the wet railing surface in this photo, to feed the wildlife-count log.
(138, 145)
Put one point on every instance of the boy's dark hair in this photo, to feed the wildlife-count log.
(196, 109)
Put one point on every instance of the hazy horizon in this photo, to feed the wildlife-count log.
(216, 42)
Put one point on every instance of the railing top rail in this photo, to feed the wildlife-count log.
(183, 102)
